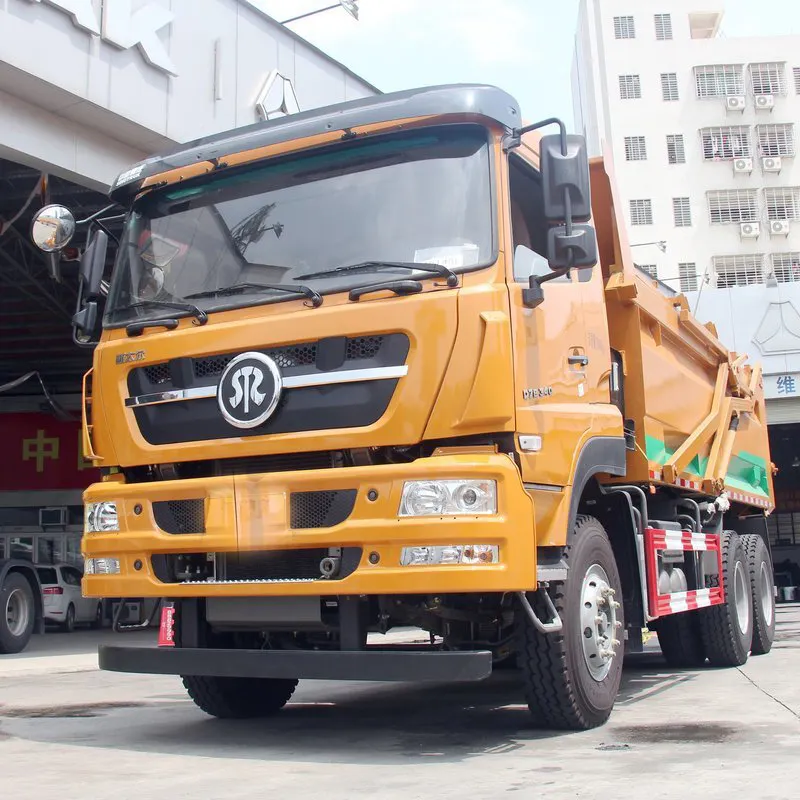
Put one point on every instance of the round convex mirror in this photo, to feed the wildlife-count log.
(53, 228)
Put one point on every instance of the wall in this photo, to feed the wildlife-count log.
(73, 99)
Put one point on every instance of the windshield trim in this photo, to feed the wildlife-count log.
(255, 299)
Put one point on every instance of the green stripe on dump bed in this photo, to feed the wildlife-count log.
(747, 472)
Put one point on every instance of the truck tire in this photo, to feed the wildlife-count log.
(17, 613)
(562, 689)
(238, 698)
(761, 584)
(680, 640)
(727, 629)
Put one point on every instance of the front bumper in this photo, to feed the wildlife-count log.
(357, 665)
(250, 513)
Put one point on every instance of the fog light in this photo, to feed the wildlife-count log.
(421, 556)
(448, 498)
(101, 517)
(101, 566)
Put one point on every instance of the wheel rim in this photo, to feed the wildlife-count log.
(16, 612)
(767, 597)
(741, 597)
(599, 622)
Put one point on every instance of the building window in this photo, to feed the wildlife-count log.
(669, 86)
(739, 270)
(682, 210)
(687, 271)
(719, 80)
(776, 140)
(641, 212)
(676, 151)
(663, 27)
(796, 72)
(635, 148)
(630, 87)
(786, 267)
(733, 207)
(624, 28)
(650, 269)
(768, 78)
(726, 143)
(783, 203)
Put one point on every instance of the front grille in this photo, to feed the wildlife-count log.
(180, 516)
(214, 365)
(363, 347)
(284, 462)
(158, 373)
(272, 565)
(321, 509)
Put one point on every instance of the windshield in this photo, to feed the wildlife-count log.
(422, 197)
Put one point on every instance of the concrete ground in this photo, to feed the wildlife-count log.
(70, 731)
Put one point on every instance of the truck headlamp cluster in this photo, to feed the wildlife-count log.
(448, 498)
(101, 517)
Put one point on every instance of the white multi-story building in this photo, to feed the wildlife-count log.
(703, 133)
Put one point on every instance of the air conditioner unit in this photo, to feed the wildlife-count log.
(750, 230)
(779, 227)
(734, 102)
(743, 166)
(771, 164)
(53, 517)
(765, 102)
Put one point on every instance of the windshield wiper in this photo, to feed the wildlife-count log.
(238, 288)
(377, 266)
(135, 328)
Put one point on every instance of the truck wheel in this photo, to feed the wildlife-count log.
(761, 584)
(680, 640)
(727, 629)
(238, 698)
(17, 613)
(572, 677)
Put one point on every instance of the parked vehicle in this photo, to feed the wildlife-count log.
(63, 602)
(20, 605)
(391, 363)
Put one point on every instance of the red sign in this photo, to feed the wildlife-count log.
(43, 453)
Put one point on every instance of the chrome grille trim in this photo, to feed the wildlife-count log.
(287, 382)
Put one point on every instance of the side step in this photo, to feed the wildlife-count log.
(338, 665)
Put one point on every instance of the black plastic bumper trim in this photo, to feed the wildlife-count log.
(362, 665)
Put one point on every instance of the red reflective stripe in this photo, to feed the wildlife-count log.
(166, 630)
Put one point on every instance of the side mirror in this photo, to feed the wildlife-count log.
(52, 228)
(87, 315)
(93, 263)
(565, 175)
(85, 322)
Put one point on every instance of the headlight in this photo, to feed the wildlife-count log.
(421, 556)
(101, 566)
(101, 517)
(448, 498)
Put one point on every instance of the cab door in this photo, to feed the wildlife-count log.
(551, 357)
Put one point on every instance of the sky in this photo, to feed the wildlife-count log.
(523, 46)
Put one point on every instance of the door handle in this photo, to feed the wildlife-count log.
(581, 361)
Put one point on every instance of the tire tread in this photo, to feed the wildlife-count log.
(238, 698)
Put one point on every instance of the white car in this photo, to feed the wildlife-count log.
(63, 602)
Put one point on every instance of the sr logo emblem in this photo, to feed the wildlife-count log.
(249, 390)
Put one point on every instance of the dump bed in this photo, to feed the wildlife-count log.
(697, 409)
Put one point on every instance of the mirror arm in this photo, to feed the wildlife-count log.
(105, 230)
(97, 215)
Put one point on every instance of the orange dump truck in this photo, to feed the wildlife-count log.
(390, 364)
